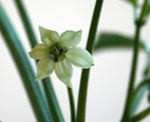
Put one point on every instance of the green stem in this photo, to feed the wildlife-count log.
(52, 101)
(141, 115)
(132, 77)
(85, 72)
(139, 23)
(47, 84)
(72, 105)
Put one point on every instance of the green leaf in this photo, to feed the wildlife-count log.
(47, 84)
(108, 40)
(139, 93)
(133, 2)
(147, 66)
(24, 67)
(141, 115)
(147, 12)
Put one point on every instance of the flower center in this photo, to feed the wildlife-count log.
(57, 52)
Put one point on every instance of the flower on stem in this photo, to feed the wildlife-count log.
(59, 53)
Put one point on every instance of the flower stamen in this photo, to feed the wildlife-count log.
(57, 52)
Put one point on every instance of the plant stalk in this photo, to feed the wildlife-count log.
(72, 105)
(139, 24)
(52, 101)
(82, 98)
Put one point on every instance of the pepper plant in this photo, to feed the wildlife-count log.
(58, 53)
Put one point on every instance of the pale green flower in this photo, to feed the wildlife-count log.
(59, 53)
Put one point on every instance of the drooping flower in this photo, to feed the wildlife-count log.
(59, 53)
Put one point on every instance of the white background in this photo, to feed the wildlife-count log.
(109, 77)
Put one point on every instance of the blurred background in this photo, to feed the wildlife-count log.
(109, 76)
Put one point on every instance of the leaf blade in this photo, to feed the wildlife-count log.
(24, 68)
(46, 83)
(139, 93)
(108, 40)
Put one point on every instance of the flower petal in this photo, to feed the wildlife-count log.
(44, 68)
(70, 38)
(80, 57)
(48, 37)
(39, 51)
(63, 71)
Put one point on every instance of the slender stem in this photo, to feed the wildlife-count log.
(72, 105)
(52, 101)
(139, 23)
(85, 72)
(141, 115)
(132, 77)
(53, 105)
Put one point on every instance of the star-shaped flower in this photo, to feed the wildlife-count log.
(59, 53)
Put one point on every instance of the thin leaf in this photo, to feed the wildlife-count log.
(24, 67)
(139, 93)
(134, 3)
(114, 40)
(147, 67)
(47, 84)
(141, 116)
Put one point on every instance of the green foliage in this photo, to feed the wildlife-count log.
(24, 68)
(109, 40)
(147, 11)
(141, 115)
(47, 83)
(81, 109)
(134, 3)
(139, 94)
